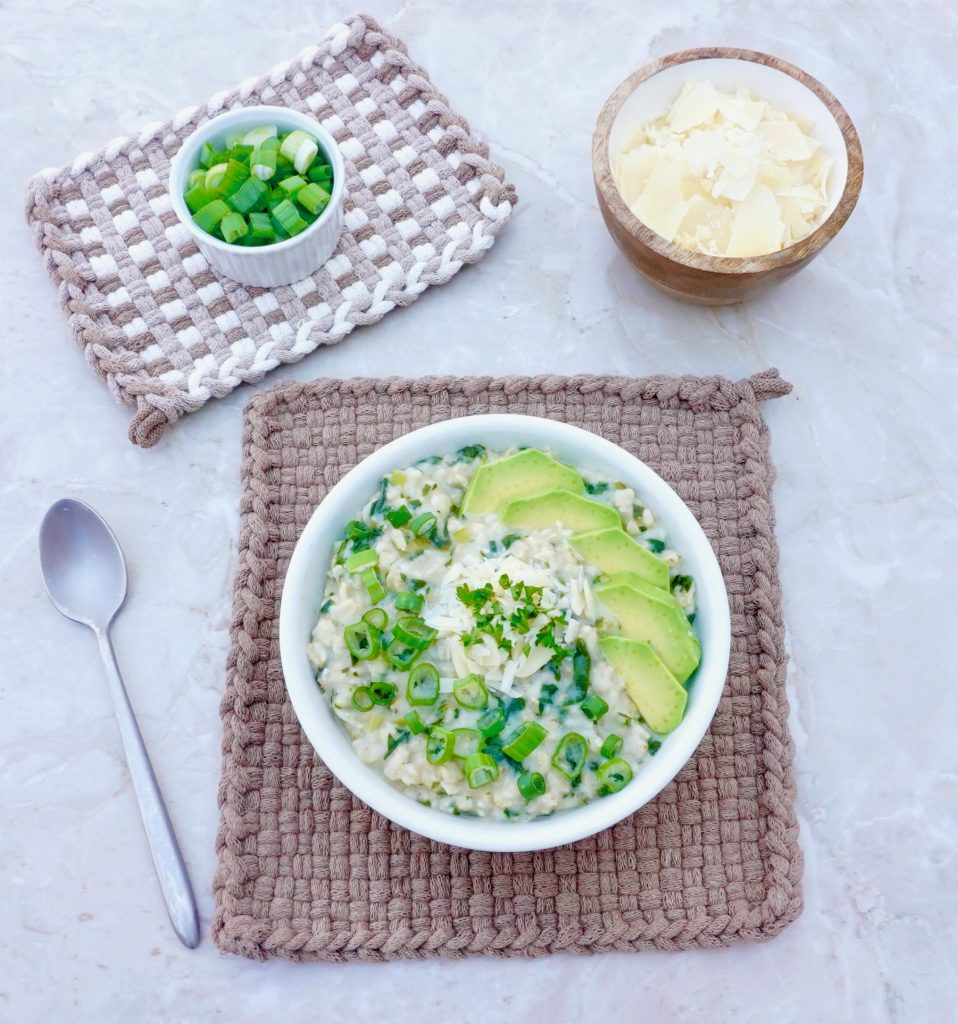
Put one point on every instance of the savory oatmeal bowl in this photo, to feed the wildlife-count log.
(504, 632)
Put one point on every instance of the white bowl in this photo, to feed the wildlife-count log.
(265, 266)
(303, 594)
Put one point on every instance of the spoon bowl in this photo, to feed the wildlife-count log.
(83, 566)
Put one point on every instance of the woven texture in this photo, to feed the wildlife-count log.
(306, 871)
(165, 332)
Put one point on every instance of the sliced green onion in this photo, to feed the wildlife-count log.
(414, 632)
(376, 617)
(383, 693)
(400, 655)
(373, 584)
(233, 139)
(291, 186)
(197, 197)
(250, 195)
(287, 216)
(491, 722)
(531, 785)
(314, 197)
(570, 755)
(439, 746)
(207, 153)
(261, 226)
(257, 136)
(611, 746)
(362, 640)
(409, 602)
(524, 740)
(594, 707)
(614, 775)
(422, 687)
(262, 163)
(240, 152)
(480, 769)
(398, 516)
(321, 174)
(360, 560)
(232, 178)
(300, 149)
(233, 227)
(422, 524)
(581, 668)
(471, 692)
(466, 742)
(362, 699)
(414, 723)
(197, 177)
(207, 217)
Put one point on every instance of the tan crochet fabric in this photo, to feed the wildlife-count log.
(165, 332)
(308, 872)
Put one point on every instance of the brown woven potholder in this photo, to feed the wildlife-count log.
(165, 332)
(306, 871)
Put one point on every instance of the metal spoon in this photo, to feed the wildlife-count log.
(85, 576)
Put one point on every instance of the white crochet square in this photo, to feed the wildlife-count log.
(174, 309)
(371, 175)
(209, 292)
(373, 247)
(111, 194)
(405, 155)
(352, 149)
(316, 101)
(408, 228)
(266, 303)
(143, 251)
(77, 208)
(158, 281)
(147, 179)
(195, 264)
(366, 106)
(134, 328)
(118, 297)
(346, 83)
(386, 130)
(304, 287)
(152, 354)
(189, 336)
(389, 201)
(103, 266)
(355, 219)
(91, 235)
(443, 207)
(124, 221)
(228, 321)
(319, 312)
(280, 332)
(425, 179)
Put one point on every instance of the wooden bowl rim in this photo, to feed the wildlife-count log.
(795, 253)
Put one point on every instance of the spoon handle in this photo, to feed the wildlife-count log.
(167, 858)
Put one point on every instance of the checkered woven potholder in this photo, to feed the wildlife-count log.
(165, 332)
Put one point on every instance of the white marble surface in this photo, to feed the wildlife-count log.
(866, 500)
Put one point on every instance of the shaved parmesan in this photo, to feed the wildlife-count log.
(726, 174)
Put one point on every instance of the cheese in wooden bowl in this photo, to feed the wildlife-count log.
(721, 171)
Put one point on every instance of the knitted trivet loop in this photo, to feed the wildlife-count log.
(308, 872)
(165, 332)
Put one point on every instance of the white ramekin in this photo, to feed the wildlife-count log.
(303, 594)
(268, 265)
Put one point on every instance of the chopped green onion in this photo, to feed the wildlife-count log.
(233, 227)
(231, 179)
(471, 692)
(240, 152)
(376, 617)
(257, 136)
(409, 602)
(492, 722)
(414, 632)
(398, 516)
(373, 584)
(393, 741)
(422, 688)
(261, 226)
(422, 524)
(207, 153)
(400, 655)
(614, 775)
(654, 746)
(250, 195)
(383, 693)
(300, 149)
(362, 640)
(439, 746)
(207, 217)
(197, 177)
(594, 707)
(362, 699)
(314, 197)
(414, 723)
(360, 560)
(656, 546)
(570, 755)
(291, 186)
(321, 174)
(197, 197)
(287, 216)
(233, 139)
(480, 769)
(531, 785)
(524, 740)
(466, 742)
(262, 163)
(581, 669)
(611, 746)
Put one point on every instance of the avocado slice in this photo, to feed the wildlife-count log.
(613, 551)
(517, 476)
(658, 695)
(656, 617)
(572, 510)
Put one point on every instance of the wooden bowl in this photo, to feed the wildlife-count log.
(722, 280)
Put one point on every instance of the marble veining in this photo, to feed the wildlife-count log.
(866, 500)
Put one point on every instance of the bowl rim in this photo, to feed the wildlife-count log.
(799, 251)
(194, 142)
(477, 833)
